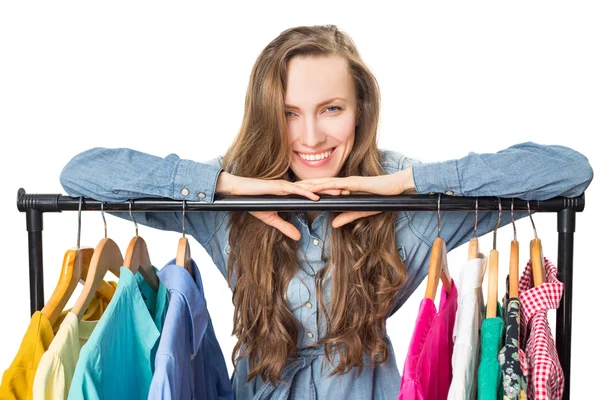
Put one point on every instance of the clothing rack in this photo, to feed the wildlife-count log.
(35, 205)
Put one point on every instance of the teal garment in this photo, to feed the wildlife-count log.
(117, 361)
(489, 374)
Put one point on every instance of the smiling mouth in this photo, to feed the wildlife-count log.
(316, 157)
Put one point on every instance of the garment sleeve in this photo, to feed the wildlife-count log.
(120, 174)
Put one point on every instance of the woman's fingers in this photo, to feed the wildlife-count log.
(286, 187)
(350, 216)
(273, 219)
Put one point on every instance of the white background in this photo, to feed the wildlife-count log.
(172, 79)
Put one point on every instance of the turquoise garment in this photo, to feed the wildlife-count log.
(526, 171)
(489, 374)
(117, 361)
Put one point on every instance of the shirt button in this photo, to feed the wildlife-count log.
(316, 242)
(308, 304)
(449, 192)
(310, 335)
(201, 195)
(185, 192)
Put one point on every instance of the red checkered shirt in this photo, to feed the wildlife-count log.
(543, 369)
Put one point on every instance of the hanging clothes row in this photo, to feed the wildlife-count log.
(468, 349)
(149, 336)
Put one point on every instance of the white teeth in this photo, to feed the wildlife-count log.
(315, 157)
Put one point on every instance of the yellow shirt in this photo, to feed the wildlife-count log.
(18, 378)
(17, 381)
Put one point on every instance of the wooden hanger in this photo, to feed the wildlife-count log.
(74, 270)
(538, 269)
(137, 258)
(184, 257)
(107, 257)
(492, 295)
(438, 265)
(513, 268)
(70, 276)
(438, 268)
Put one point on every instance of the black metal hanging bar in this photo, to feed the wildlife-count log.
(34, 205)
(58, 202)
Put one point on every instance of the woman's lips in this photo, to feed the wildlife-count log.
(315, 164)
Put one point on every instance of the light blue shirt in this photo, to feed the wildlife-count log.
(117, 360)
(528, 171)
(189, 363)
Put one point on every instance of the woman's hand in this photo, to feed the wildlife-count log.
(239, 186)
(391, 184)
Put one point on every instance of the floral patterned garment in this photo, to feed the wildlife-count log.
(511, 356)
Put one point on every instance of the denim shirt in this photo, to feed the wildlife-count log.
(528, 171)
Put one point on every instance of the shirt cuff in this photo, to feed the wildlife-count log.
(437, 177)
(195, 181)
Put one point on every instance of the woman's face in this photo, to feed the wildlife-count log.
(320, 107)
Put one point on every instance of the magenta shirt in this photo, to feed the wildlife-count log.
(428, 366)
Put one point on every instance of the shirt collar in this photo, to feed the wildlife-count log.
(176, 279)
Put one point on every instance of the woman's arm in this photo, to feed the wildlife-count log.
(115, 175)
(527, 171)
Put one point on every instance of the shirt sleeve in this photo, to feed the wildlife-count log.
(527, 171)
(120, 174)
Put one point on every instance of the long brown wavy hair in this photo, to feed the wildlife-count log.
(364, 266)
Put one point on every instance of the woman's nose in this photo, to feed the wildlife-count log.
(312, 135)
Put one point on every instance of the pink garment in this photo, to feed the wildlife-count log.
(428, 366)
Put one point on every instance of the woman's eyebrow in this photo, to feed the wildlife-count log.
(318, 105)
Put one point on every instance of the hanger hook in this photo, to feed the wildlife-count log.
(476, 216)
(512, 217)
(133, 219)
(438, 214)
(183, 219)
(79, 224)
(531, 218)
(103, 219)
(499, 219)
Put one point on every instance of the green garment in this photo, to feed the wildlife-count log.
(489, 375)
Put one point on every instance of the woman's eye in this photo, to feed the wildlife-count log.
(289, 113)
(333, 108)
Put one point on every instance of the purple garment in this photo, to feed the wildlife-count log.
(189, 363)
(428, 366)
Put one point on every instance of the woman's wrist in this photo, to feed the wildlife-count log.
(407, 181)
(224, 183)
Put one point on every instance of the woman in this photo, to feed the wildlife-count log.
(312, 291)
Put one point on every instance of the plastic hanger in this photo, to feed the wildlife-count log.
(492, 296)
(538, 270)
(184, 257)
(107, 257)
(137, 257)
(474, 242)
(438, 265)
(70, 275)
(513, 268)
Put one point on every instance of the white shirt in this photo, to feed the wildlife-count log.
(469, 315)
